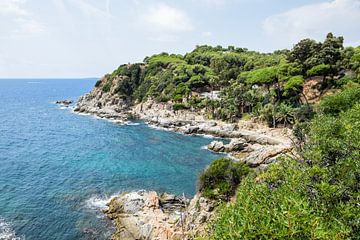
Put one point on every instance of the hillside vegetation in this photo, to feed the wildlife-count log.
(314, 196)
(313, 88)
(265, 86)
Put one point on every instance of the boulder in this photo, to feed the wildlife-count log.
(236, 145)
(191, 130)
(216, 146)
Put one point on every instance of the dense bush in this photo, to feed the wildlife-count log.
(221, 178)
(340, 102)
(179, 106)
(107, 86)
(277, 205)
(97, 84)
(314, 197)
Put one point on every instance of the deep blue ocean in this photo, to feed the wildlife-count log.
(57, 168)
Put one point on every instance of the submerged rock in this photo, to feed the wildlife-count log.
(64, 102)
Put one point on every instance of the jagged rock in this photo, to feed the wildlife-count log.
(191, 130)
(236, 145)
(64, 102)
(265, 154)
(141, 215)
(216, 146)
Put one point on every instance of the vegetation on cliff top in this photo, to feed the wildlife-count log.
(313, 196)
(268, 86)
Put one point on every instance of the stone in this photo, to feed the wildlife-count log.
(236, 145)
(64, 102)
(216, 146)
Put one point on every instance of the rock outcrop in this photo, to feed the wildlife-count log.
(105, 104)
(235, 145)
(146, 215)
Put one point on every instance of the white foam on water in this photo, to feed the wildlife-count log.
(97, 202)
(205, 147)
(159, 128)
(132, 124)
(206, 136)
(7, 232)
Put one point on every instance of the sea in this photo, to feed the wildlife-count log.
(58, 169)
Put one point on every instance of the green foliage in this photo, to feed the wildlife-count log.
(276, 205)
(320, 70)
(268, 86)
(315, 197)
(107, 86)
(97, 84)
(221, 178)
(293, 85)
(340, 102)
(179, 106)
(266, 75)
(309, 53)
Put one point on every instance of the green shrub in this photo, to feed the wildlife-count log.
(221, 178)
(97, 84)
(275, 205)
(177, 98)
(107, 86)
(246, 117)
(322, 69)
(340, 102)
(179, 106)
(162, 98)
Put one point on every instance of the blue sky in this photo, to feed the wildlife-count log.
(88, 38)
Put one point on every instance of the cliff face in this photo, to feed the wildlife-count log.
(104, 104)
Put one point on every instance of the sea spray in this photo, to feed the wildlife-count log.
(7, 232)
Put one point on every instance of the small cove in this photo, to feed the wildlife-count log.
(57, 169)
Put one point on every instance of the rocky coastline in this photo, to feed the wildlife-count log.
(148, 215)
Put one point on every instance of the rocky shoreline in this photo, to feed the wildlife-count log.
(147, 215)
(263, 144)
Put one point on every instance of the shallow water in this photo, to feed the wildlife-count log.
(57, 169)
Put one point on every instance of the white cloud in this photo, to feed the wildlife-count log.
(342, 17)
(28, 26)
(92, 11)
(213, 2)
(164, 18)
(16, 20)
(10, 7)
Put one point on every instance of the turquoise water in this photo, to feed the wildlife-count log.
(57, 169)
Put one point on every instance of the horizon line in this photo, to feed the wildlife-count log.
(46, 78)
